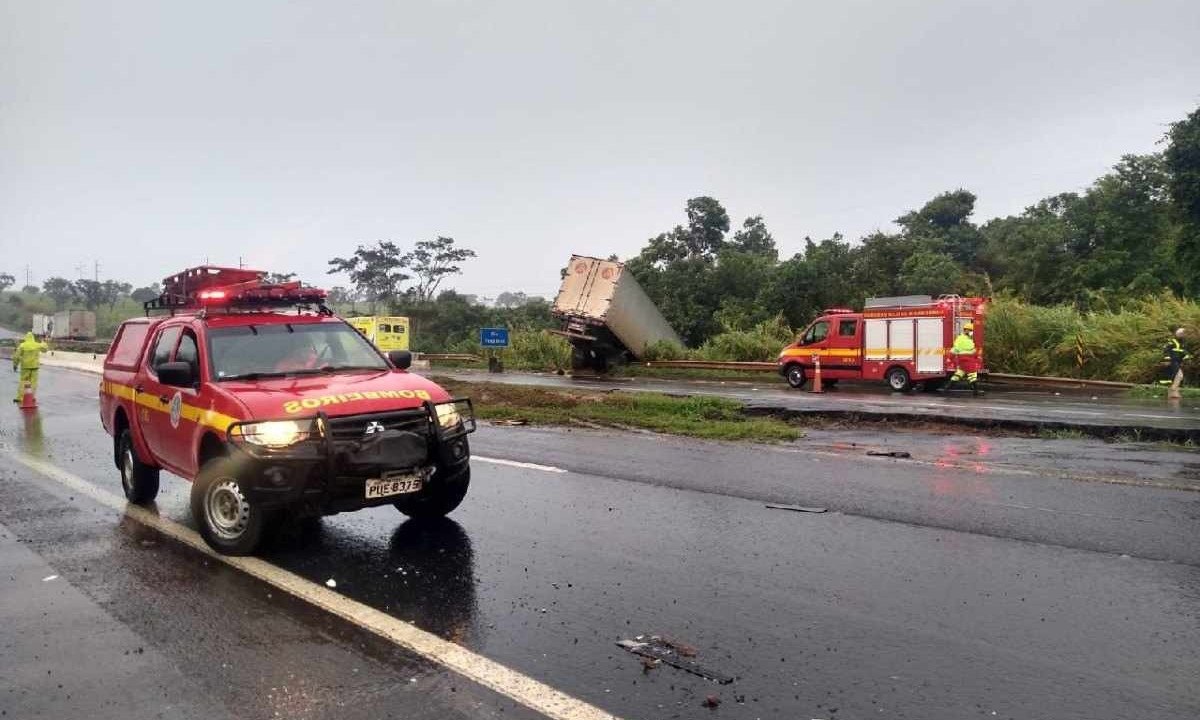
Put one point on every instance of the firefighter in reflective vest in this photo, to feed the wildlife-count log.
(26, 359)
(1174, 355)
(963, 351)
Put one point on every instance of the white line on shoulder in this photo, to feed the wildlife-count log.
(508, 682)
(514, 463)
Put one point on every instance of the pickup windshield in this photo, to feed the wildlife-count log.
(282, 349)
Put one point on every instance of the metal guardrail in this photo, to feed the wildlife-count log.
(449, 357)
(1004, 378)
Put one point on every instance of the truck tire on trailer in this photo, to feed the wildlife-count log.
(795, 375)
(227, 520)
(898, 379)
(138, 480)
(437, 499)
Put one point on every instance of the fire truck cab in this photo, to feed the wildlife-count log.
(904, 341)
(274, 408)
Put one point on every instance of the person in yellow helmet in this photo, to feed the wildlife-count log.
(965, 361)
(26, 360)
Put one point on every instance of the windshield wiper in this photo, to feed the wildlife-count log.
(255, 375)
(324, 369)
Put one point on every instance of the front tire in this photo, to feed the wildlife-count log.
(795, 375)
(898, 380)
(138, 480)
(228, 521)
(438, 498)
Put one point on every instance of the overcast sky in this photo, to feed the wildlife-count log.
(150, 136)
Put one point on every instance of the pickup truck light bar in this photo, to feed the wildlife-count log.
(216, 288)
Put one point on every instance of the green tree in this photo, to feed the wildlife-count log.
(755, 239)
(113, 291)
(145, 294)
(280, 278)
(929, 273)
(432, 261)
(60, 290)
(376, 271)
(6, 281)
(90, 292)
(1182, 161)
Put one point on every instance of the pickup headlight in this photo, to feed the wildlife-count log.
(455, 416)
(273, 433)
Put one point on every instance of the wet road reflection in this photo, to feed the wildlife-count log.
(425, 574)
(31, 437)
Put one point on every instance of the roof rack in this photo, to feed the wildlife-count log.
(210, 288)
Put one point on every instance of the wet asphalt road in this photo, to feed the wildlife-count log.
(1029, 579)
(1025, 407)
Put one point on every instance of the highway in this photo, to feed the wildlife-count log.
(1100, 412)
(983, 576)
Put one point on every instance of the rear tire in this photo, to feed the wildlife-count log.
(898, 380)
(228, 521)
(439, 498)
(138, 480)
(795, 375)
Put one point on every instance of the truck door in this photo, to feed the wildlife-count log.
(153, 399)
(814, 341)
(179, 433)
(843, 356)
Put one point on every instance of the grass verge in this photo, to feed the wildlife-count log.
(701, 417)
(1160, 391)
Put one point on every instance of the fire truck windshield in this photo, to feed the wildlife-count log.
(277, 350)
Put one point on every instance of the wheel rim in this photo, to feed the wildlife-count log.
(127, 469)
(226, 510)
(796, 376)
(898, 381)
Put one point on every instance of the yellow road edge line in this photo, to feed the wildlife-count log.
(505, 681)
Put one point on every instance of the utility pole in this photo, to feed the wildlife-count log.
(97, 278)
(79, 270)
(28, 277)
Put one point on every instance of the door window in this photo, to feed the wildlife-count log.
(188, 352)
(848, 328)
(163, 347)
(816, 332)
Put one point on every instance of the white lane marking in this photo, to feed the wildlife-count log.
(508, 682)
(514, 463)
(49, 578)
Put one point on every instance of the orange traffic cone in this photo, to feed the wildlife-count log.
(816, 386)
(28, 399)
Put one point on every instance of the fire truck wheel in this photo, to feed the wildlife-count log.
(795, 376)
(898, 380)
(438, 498)
(228, 521)
(139, 481)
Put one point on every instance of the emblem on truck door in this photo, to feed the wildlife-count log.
(374, 427)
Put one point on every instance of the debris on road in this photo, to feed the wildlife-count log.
(890, 453)
(656, 649)
(510, 423)
(49, 578)
(711, 702)
(797, 508)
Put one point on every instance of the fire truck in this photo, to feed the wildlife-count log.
(904, 341)
(274, 408)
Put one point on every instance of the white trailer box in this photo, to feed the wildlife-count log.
(74, 325)
(42, 325)
(606, 313)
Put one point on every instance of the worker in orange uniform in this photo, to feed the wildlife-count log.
(965, 361)
(27, 359)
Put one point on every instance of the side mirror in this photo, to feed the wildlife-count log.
(402, 359)
(176, 374)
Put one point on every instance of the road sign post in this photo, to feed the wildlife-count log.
(493, 339)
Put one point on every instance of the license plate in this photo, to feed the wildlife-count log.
(399, 485)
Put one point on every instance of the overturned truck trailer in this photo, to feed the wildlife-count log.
(606, 315)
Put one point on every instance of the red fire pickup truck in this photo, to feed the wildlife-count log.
(274, 408)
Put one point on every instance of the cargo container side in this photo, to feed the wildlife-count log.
(633, 317)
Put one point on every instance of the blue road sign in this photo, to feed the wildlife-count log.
(493, 337)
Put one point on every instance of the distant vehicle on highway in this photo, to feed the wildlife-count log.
(904, 341)
(385, 332)
(274, 408)
(66, 325)
(606, 315)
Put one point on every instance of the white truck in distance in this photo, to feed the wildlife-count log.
(606, 315)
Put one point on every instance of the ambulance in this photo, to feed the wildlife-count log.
(385, 333)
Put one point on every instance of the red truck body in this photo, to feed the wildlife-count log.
(903, 341)
(286, 404)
